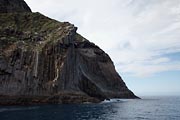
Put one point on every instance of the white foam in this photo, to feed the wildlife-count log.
(113, 100)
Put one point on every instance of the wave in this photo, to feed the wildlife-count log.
(114, 100)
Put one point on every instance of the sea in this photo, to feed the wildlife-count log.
(147, 108)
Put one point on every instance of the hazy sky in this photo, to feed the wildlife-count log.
(141, 36)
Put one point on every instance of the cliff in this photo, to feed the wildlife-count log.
(46, 61)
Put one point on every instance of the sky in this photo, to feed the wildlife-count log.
(142, 37)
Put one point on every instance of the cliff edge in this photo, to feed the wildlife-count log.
(46, 61)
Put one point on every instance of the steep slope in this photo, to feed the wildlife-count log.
(46, 61)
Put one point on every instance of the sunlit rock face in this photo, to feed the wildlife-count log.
(46, 61)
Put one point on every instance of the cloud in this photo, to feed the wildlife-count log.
(137, 34)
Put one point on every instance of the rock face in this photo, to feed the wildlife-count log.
(46, 61)
(11, 6)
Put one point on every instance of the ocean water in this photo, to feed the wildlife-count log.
(149, 108)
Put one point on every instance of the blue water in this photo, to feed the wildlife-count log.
(153, 108)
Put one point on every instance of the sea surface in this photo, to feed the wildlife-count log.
(147, 108)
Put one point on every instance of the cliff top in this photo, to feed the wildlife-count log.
(33, 30)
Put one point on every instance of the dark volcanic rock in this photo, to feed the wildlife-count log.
(9, 6)
(46, 61)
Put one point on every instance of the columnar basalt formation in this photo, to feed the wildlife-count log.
(46, 61)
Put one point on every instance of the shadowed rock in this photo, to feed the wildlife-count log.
(11, 6)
